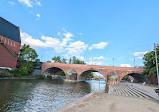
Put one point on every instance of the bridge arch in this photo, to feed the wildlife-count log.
(136, 77)
(83, 75)
(54, 72)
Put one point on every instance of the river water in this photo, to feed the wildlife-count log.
(43, 95)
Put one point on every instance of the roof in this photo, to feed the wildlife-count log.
(9, 30)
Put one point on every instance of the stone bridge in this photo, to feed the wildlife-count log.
(79, 72)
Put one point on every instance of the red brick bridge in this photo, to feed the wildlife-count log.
(79, 72)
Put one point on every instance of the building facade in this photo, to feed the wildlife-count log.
(10, 43)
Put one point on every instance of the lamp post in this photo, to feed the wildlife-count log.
(99, 77)
(134, 63)
(156, 64)
(92, 60)
(113, 61)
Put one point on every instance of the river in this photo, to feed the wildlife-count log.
(43, 95)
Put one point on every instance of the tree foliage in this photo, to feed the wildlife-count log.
(58, 59)
(126, 78)
(150, 63)
(24, 70)
(90, 76)
(27, 53)
(77, 61)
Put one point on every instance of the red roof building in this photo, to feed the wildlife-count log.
(10, 43)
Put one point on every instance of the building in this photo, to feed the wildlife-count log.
(10, 42)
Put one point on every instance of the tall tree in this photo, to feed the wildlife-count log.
(58, 59)
(150, 63)
(27, 53)
(77, 61)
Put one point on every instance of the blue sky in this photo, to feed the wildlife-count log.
(102, 29)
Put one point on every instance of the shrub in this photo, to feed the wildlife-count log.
(49, 77)
(3, 75)
(24, 70)
(40, 76)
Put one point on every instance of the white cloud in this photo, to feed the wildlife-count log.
(54, 43)
(38, 16)
(11, 2)
(125, 65)
(139, 53)
(76, 49)
(38, 2)
(100, 45)
(65, 45)
(98, 63)
(67, 38)
(27, 3)
(28, 39)
(97, 58)
(80, 57)
(80, 33)
(72, 49)
(58, 33)
(140, 57)
(95, 63)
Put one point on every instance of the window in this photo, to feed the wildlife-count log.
(5, 40)
(11, 43)
(1, 40)
(8, 42)
(14, 44)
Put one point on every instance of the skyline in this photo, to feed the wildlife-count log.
(105, 30)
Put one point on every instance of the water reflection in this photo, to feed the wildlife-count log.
(43, 95)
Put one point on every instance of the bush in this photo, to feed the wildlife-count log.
(24, 70)
(16, 72)
(3, 75)
(49, 77)
(40, 76)
(126, 78)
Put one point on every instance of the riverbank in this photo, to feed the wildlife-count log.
(102, 102)
(15, 78)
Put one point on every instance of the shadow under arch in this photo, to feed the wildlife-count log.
(55, 72)
(82, 76)
(135, 77)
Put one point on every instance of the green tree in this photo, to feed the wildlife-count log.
(150, 63)
(27, 53)
(58, 59)
(90, 76)
(77, 61)
(126, 78)
(24, 70)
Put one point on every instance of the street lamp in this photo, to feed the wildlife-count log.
(99, 77)
(134, 63)
(156, 63)
(113, 61)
